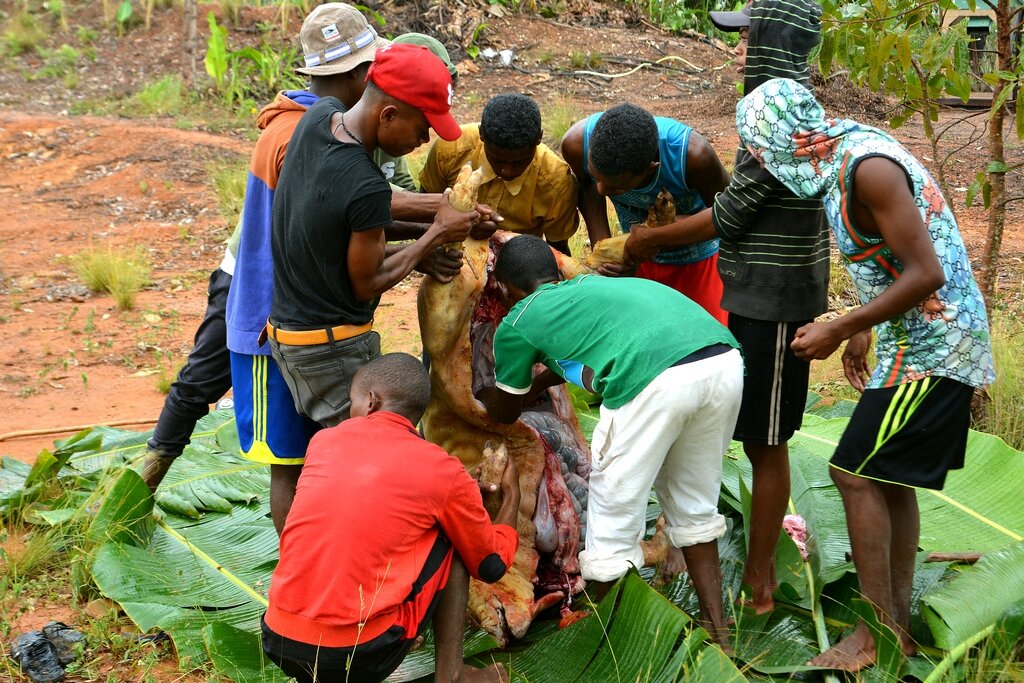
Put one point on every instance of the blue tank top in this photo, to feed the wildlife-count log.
(631, 207)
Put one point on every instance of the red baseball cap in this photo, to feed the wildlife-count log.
(415, 75)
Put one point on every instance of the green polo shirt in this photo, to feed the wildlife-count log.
(612, 336)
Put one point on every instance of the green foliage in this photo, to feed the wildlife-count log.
(120, 274)
(229, 179)
(557, 116)
(682, 15)
(249, 74)
(86, 35)
(898, 47)
(123, 16)
(23, 33)
(1004, 414)
(58, 63)
(164, 97)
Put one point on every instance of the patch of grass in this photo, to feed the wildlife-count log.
(1003, 414)
(121, 274)
(557, 116)
(166, 97)
(24, 33)
(842, 295)
(229, 179)
(86, 35)
(59, 63)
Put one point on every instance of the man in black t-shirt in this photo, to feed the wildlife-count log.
(332, 204)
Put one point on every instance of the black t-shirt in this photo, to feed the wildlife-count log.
(327, 190)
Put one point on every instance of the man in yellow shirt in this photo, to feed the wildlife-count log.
(524, 181)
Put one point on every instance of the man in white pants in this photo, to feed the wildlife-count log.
(671, 378)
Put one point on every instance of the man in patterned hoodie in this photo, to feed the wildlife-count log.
(905, 255)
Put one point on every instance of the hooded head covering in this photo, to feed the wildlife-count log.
(782, 125)
(782, 35)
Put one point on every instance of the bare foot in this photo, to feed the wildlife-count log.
(417, 644)
(720, 636)
(495, 673)
(852, 653)
(758, 607)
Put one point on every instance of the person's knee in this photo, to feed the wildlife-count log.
(849, 484)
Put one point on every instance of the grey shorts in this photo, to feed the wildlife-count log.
(320, 376)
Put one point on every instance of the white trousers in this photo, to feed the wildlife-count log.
(672, 435)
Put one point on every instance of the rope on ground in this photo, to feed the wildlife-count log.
(636, 68)
(25, 433)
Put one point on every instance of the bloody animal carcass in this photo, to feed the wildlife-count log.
(457, 324)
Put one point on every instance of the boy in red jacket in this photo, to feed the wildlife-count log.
(385, 528)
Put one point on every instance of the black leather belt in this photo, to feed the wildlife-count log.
(701, 354)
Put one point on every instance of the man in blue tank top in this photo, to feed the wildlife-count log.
(629, 156)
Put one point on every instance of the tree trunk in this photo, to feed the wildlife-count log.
(997, 174)
(191, 42)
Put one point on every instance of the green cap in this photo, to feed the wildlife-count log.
(432, 44)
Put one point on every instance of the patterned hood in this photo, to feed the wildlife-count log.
(782, 125)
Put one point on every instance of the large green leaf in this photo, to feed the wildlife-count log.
(635, 634)
(238, 655)
(980, 508)
(977, 598)
(13, 492)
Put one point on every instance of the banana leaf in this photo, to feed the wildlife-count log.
(976, 598)
(13, 492)
(635, 634)
(238, 655)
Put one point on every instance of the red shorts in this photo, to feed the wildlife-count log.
(699, 281)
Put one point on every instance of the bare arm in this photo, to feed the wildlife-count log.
(372, 271)
(501, 405)
(704, 170)
(400, 231)
(415, 206)
(592, 205)
(705, 174)
(883, 205)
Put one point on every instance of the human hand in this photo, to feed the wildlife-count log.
(510, 479)
(441, 264)
(855, 360)
(816, 341)
(452, 224)
(616, 269)
(490, 221)
(640, 244)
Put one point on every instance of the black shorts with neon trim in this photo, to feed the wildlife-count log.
(911, 434)
(775, 384)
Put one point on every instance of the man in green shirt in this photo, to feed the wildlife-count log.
(671, 377)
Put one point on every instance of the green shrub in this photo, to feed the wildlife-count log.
(1004, 414)
(557, 116)
(58, 63)
(23, 34)
(166, 97)
(121, 274)
(229, 179)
